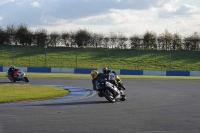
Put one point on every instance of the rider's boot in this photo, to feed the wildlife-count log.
(99, 94)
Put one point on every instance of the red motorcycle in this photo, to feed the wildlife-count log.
(18, 75)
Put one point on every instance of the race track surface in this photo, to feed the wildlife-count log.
(152, 106)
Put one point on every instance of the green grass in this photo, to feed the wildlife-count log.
(15, 93)
(98, 58)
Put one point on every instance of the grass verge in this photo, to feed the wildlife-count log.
(14, 93)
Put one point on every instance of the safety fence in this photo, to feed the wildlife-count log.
(128, 59)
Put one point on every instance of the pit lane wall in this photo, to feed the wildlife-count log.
(88, 70)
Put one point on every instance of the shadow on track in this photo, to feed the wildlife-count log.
(72, 103)
(11, 82)
(5, 82)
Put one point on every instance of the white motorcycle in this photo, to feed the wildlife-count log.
(18, 75)
(114, 79)
(109, 93)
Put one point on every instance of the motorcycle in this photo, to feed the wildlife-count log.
(119, 82)
(18, 75)
(109, 93)
(114, 79)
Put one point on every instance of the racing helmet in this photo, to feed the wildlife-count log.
(94, 73)
(105, 70)
(12, 67)
(114, 72)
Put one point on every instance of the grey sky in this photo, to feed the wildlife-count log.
(125, 16)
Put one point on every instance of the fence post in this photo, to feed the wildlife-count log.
(45, 47)
(108, 58)
(12, 55)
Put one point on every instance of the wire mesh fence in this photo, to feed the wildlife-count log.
(98, 58)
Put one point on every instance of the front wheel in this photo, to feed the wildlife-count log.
(26, 79)
(14, 79)
(109, 96)
(123, 96)
(122, 86)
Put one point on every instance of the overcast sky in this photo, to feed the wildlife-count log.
(128, 17)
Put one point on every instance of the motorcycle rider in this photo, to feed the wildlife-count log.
(100, 80)
(108, 74)
(11, 71)
(106, 71)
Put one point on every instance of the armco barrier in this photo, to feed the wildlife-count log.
(158, 73)
(1, 69)
(177, 73)
(87, 71)
(62, 70)
(195, 73)
(82, 70)
(131, 72)
(38, 69)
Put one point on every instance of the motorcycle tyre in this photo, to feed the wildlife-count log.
(112, 100)
(26, 79)
(122, 86)
(123, 98)
(10, 78)
(99, 94)
(14, 79)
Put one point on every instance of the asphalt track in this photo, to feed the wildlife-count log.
(152, 106)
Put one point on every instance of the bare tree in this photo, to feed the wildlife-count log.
(82, 38)
(96, 39)
(3, 36)
(149, 40)
(165, 40)
(113, 39)
(65, 36)
(54, 38)
(40, 37)
(23, 34)
(177, 43)
(122, 39)
(192, 42)
(72, 39)
(135, 41)
(11, 32)
(105, 42)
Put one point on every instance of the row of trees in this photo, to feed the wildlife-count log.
(22, 35)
